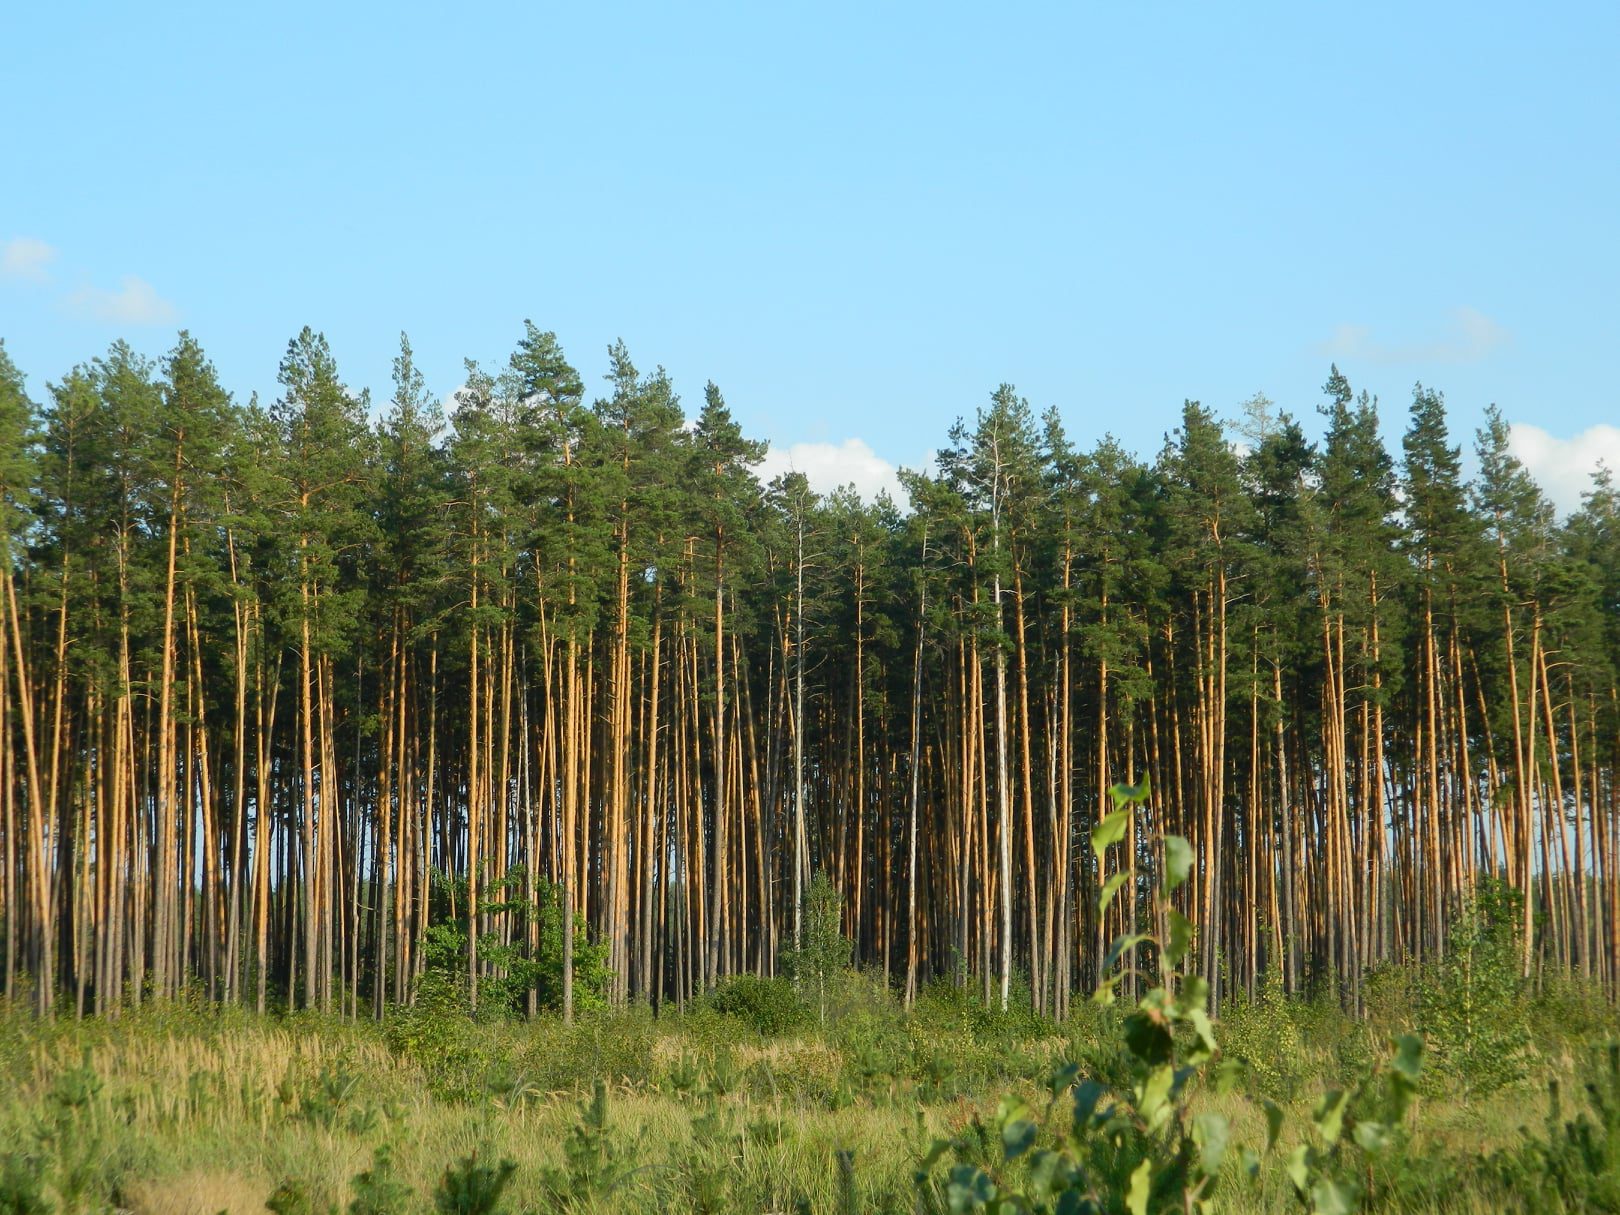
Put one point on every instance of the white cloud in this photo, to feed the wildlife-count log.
(25, 257)
(1563, 467)
(134, 303)
(827, 466)
(1468, 337)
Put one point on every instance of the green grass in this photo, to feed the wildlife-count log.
(191, 1109)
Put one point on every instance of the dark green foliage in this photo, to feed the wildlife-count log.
(595, 1158)
(770, 1007)
(1136, 1146)
(290, 1198)
(703, 1176)
(517, 971)
(470, 1188)
(1264, 1033)
(321, 1100)
(19, 456)
(22, 1188)
(379, 1189)
(1576, 1167)
(1358, 1135)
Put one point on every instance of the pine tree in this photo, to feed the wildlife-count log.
(1207, 512)
(321, 485)
(723, 494)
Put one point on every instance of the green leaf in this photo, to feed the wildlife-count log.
(1274, 1121)
(1371, 1136)
(1130, 795)
(1136, 1200)
(1194, 992)
(1334, 1197)
(1061, 1079)
(1206, 1035)
(1051, 1173)
(1299, 1168)
(935, 1153)
(1181, 935)
(1178, 862)
(1110, 888)
(1329, 1117)
(1124, 942)
(1229, 1074)
(1408, 1059)
(969, 1189)
(1251, 1163)
(1109, 831)
(1086, 1098)
(1210, 1133)
(1154, 1096)
(1401, 1092)
(1017, 1137)
(1148, 1038)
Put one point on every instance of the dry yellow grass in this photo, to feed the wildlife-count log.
(199, 1192)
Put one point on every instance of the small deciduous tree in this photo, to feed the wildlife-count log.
(825, 954)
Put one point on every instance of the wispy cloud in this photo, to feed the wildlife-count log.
(828, 466)
(1468, 337)
(1563, 467)
(26, 258)
(134, 303)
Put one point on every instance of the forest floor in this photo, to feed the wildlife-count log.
(746, 1102)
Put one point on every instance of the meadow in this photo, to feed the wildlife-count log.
(757, 1099)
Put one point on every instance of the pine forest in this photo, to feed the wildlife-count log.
(294, 688)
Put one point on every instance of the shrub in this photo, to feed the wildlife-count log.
(1263, 1034)
(514, 972)
(1569, 1012)
(1139, 1140)
(615, 1045)
(1137, 1146)
(770, 1007)
(596, 1159)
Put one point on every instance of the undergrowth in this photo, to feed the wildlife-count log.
(1460, 1088)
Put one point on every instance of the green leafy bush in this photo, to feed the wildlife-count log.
(290, 1198)
(1357, 1131)
(1264, 1035)
(437, 1033)
(595, 1158)
(770, 1007)
(1134, 1143)
(1138, 1141)
(1568, 1012)
(512, 971)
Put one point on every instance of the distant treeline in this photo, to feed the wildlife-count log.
(287, 695)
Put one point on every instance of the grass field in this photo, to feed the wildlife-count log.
(745, 1103)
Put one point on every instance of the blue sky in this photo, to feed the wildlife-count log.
(856, 219)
